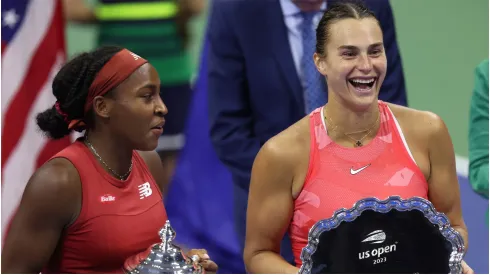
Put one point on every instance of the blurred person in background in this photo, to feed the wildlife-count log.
(262, 79)
(157, 30)
(478, 132)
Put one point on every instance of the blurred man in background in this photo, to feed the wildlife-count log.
(478, 135)
(478, 132)
(156, 30)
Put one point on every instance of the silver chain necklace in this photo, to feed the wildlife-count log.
(105, 164)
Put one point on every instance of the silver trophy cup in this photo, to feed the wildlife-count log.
(162, 258)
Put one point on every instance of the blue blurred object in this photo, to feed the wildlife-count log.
(200, 200)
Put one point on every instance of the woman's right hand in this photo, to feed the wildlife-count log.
(201, 257)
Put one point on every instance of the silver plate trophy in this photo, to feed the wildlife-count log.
(162, 258)
(384, 236)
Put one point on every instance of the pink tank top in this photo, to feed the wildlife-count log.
(338, 176)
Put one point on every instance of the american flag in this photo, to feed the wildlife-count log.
(33, 50)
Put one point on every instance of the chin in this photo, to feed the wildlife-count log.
(362, 104)
(148, 145)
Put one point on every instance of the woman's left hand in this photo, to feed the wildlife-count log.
(466, 268)
(201, 256)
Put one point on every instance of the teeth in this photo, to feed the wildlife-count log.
(363, 81)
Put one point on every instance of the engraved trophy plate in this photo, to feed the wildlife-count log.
(389, 236)
(162, 258)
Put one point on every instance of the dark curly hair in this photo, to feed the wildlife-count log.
(70, 87)
(338, 11)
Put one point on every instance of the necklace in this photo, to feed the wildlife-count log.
(120, 177)
(357, 142)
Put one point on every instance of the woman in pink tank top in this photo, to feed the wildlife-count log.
(352, 148)
(96, 206)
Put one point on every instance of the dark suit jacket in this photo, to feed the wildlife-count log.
(254, 90)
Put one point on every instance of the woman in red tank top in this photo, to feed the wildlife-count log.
(353, 147)
(98, 202)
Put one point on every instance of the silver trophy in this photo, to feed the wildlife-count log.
(163, 258)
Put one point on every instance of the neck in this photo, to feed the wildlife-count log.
(355, 123)
(115, 153)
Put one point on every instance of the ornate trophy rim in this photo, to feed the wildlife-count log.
(384, 206)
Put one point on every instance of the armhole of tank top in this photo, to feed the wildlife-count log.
(144, 167)
(81, 215)
(313, 152)
(401, 137)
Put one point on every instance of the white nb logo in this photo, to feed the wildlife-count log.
(135, 56)
(145, 190)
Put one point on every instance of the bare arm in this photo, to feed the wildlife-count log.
(270, 209)
(443, 181)
(50, 202)
(78, 11)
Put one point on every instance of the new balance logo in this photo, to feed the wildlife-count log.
(135, 56)
(145, 190)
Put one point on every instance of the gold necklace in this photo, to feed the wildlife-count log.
(120, 177)
(357, 142)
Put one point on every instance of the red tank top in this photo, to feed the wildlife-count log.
(118, 219)
(338, 176)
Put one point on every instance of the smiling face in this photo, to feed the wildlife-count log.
(354, 62)
(136, 112)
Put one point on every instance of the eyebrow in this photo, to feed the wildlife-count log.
(149, 85)
(350, 47)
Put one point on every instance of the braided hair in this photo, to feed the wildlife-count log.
(70, 87)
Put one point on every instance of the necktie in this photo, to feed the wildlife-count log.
(314, 94)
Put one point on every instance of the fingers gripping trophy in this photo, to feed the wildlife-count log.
(168, 258)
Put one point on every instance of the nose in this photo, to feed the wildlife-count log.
(160, 107)
(364, 64)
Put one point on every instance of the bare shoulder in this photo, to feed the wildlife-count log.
(50, 203)
(54, 190)
(289, 144)
(418, 122)
(57, 175)
(284, 158)
(282, 162)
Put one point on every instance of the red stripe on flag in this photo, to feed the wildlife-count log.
(4, 46)
(17, 112)
(16, 115)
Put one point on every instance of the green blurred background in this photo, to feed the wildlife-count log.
(441, 43)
